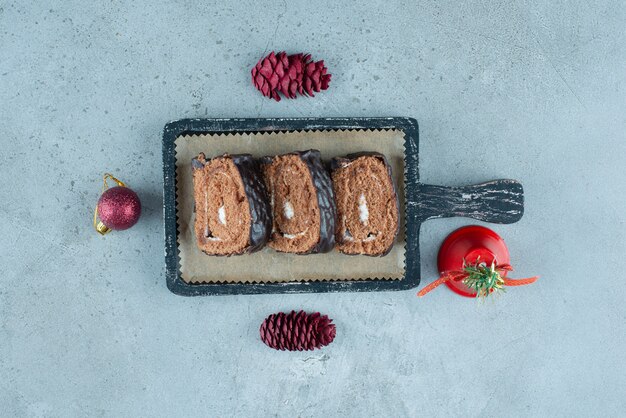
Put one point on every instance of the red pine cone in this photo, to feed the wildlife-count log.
(289, 74)
(297, 331)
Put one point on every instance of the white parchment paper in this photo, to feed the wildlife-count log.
(268, 265)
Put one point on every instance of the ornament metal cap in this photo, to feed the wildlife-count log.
(98, 225)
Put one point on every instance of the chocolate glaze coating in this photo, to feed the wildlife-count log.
(337, 162)
(260, 210)
(325, 198)
(254, 187)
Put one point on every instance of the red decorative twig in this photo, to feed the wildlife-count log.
(464, 274)
(450, 275)
(520, 282)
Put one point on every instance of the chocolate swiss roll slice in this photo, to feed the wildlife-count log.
(233, 214)
(367, 204)
(303, 205)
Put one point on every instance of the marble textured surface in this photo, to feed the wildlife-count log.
(524, 90)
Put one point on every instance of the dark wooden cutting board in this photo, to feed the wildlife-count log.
(498, 201)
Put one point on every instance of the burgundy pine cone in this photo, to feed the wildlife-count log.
(289, 74)
(297, 331)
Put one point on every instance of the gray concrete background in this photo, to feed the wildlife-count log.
(534, 92)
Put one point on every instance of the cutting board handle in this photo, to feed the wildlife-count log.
(498, 201)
